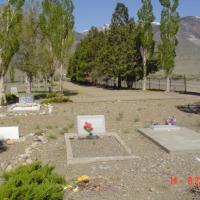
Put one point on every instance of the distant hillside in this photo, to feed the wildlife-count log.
(188, 50)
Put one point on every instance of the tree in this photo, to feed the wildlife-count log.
(56, 22)
(146, 17)
(120, 19)
(83, 65)
(10, 22)
(28, 51)
(169, 27)
(120, 56)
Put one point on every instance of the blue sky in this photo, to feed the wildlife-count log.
(98, 12)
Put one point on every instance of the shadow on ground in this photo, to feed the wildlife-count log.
(191, 93)
(45, 94)
(190, 108)
(2, 147)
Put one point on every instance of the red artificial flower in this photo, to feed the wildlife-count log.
(88, 126)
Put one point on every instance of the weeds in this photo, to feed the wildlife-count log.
(136, 119)
(52, 136)
(120, 116)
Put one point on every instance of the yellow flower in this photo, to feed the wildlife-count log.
(83, 179)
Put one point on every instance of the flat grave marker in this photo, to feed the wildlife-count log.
(11, 132)
(97, 122)
(177, 140)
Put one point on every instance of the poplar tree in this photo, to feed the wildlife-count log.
(27, 56)
(146, 17)
(10, 22)
(56, 22)
(169, 27)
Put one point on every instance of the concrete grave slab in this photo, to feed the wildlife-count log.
(179, 140)
(71, 159)
(97, 121)
(11, 132)
(29, 107)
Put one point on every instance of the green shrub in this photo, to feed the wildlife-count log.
(52, 136)
(56, 100)
(64, 130)
(51, 95)
(32, 181)
(11, 98)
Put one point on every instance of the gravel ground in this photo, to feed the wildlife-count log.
(147, 178)
(102, 147)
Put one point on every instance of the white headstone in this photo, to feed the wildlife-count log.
(13, 90)
(26, 99)
(11, 132)
(97, 123)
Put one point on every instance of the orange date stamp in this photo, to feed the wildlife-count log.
(191, 180)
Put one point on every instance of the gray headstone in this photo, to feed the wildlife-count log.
(97, 122)
(26, 99)
(165, 128)
(13, 90)
(11, 132)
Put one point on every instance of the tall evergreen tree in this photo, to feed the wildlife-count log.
(10, 23)
(169, 27)
(120, 19)
(57, 23)
(146, 17)
(83, 65)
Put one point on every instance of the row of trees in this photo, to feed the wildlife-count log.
(35, 37)
(127, 50)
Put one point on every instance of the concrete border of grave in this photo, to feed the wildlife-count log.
(28, 107)
(84, 160)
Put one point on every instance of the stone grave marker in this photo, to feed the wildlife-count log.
(165, 128)
(13, 90)
(11, 132)
(96, 123)
(26, 99)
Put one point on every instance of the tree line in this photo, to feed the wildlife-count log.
(35, 37)
(126, 51)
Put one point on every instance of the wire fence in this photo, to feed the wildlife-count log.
(176, 85)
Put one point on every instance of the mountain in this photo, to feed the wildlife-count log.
(188, 49)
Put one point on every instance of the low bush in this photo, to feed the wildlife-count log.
(32, 181)
(51, 95)
(11, 98)
(56, 100)
(2, 146)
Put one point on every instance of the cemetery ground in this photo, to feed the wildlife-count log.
(148, 177)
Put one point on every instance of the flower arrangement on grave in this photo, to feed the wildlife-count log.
(171, 121)
(88, 127)
(83, 179)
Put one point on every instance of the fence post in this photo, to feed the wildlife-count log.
(159, 83)
(185, 84)
(170, 83)
(149, 83)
